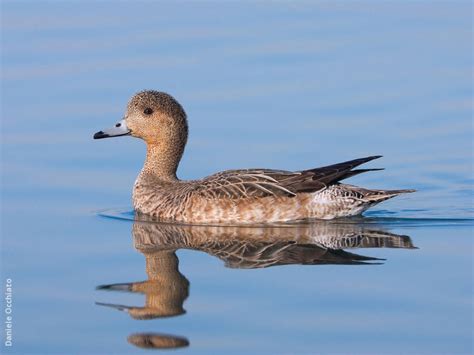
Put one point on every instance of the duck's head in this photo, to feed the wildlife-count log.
(155, 117)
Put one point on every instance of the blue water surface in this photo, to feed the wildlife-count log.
(286, 85)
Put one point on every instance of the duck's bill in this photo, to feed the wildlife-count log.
(120, 129)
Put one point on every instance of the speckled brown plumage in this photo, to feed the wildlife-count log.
(233, 196)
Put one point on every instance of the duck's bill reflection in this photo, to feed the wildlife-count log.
(119, 307)
(120, 129)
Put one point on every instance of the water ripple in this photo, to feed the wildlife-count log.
(379, 217)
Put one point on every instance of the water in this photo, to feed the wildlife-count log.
(290, 86)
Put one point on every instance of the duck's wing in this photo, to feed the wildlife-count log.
(246, 183)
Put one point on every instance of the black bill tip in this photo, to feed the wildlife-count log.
(100, 135)
(116, 287)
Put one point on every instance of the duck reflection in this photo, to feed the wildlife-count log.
(248, 247)
(165, 290)
(260, 247)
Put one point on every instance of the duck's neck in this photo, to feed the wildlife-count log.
(161, 161)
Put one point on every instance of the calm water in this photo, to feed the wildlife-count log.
(282, 86)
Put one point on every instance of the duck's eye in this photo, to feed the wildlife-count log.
(148, 111)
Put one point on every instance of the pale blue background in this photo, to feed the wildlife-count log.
(278, 85)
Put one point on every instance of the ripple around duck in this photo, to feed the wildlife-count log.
(403, 218)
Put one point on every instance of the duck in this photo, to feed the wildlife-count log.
(241, 196)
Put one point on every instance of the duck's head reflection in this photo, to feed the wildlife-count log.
(239, 247)
(165, 290)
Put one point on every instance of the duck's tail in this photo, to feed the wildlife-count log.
(376, 196)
